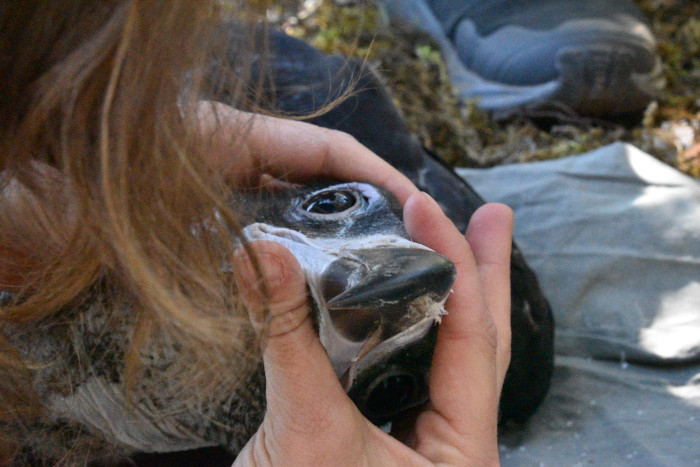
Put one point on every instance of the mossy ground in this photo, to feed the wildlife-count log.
(463, 135)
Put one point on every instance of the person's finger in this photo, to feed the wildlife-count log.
(293, 150)
(490, 234)
(463, 380)
(301, 386)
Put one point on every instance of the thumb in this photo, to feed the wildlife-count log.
(298, 373)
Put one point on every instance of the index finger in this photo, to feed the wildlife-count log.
(294, 150)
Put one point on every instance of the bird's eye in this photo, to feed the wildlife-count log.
(330, 202)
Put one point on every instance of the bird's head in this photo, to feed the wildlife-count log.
(377, 294)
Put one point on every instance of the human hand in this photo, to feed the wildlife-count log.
(311, 421)
(268, 147)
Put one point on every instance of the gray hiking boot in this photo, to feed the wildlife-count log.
(580, 57)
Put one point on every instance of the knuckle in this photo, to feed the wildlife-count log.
(336, 139)
(340, 136)
(286, 317)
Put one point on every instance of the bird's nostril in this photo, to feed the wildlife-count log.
(355, 324)
(338, 277)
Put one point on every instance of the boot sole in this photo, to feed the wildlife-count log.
(613, 75)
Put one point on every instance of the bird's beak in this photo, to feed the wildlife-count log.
(377, 298)
(380, 304)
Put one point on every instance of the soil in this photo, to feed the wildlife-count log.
(463, 135)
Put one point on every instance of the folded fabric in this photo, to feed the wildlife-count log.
(611, 414)
(614, 236)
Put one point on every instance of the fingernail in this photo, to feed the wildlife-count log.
(271, 268)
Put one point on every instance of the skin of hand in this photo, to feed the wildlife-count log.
(268, 147)
(311, 421)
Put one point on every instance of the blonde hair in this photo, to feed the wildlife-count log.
(105, 179)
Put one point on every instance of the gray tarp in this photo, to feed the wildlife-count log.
(614, 236)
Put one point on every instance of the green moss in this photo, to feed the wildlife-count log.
(461, 134)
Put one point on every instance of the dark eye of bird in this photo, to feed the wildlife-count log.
(329, 202)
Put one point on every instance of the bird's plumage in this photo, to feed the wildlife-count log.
(81, 351)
